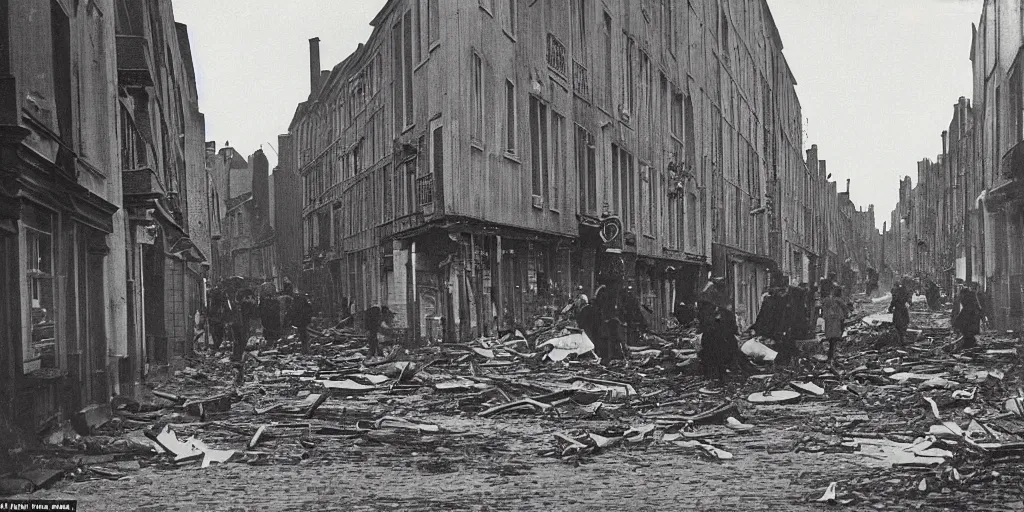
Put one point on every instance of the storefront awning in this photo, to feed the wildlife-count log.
(178, 241)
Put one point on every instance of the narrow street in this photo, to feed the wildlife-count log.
(342, 459)
(511, 255)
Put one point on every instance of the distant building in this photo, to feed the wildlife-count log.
(241, 191)
(286, 186)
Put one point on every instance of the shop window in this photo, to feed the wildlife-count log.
(39, 347)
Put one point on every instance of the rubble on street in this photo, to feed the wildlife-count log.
(929, 427)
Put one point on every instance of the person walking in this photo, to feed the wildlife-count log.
(301, 316)
(218, 309)
(718, 347)
(269, 311)
(373, 319)
(834, 310)
(900, 309)
(967, 315)
(933, 295)
(243, 326)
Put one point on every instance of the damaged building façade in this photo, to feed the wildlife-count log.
(460, 165)
(103, 218)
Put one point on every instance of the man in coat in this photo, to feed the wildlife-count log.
(900, 309)
(967, 315)
(834, 310)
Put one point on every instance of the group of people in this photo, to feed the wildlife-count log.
(716, 320)
(791, 313)
(970, 307)
(235, 311)
(613, 320)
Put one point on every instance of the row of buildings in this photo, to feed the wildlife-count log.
(457, 166)
(104, 215)
(964, 217)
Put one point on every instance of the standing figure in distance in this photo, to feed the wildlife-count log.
(900, 309)
(373, 318)
(967, 315)
(301, 316)
(834, 310)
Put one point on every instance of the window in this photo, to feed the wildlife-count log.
(476, 98)
(628, 80)
(628, 190)
(512, 17)
(539, 146)
(586, 170)
(60, 33)
(336, 223)
(558, 150)
(607, 40)
(401, 48)
(645, 83)
(510, 116)
(579, 29)
(419, 42)
(433, 23)
(677, 113)
(624, 186)
(39, 347)
(725, 38)
(407, 71)
(397, 89)
(436, 164)
(667, 25)
(652, 199)
(389, 184)
(615, 182)
(1016, 108)
(665, 210)
(691, 139)
(410, 187)
(690, 216)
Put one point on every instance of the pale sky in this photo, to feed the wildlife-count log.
(877, 78)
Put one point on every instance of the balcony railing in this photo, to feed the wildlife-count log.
(580, 79)
(141, 184)
(134, 65)
(425, 189)
(557, 56)
(1012, 164)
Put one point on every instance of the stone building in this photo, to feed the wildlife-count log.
(457, 165)
(62, 243)
(286, 186)
(161, 134)
(102, 207)
(241, 191)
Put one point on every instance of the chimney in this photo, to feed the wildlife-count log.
(945, 136)
(847, 186)
(314, 64)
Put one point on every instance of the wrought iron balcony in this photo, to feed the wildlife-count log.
(141, 185)
(134, 63)
(580, 79)
(1012, 164)
(425, 189)
(557, 56)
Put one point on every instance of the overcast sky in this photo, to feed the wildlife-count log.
(877, 78)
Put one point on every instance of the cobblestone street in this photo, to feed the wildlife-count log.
(506, 462)
(453, 477)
